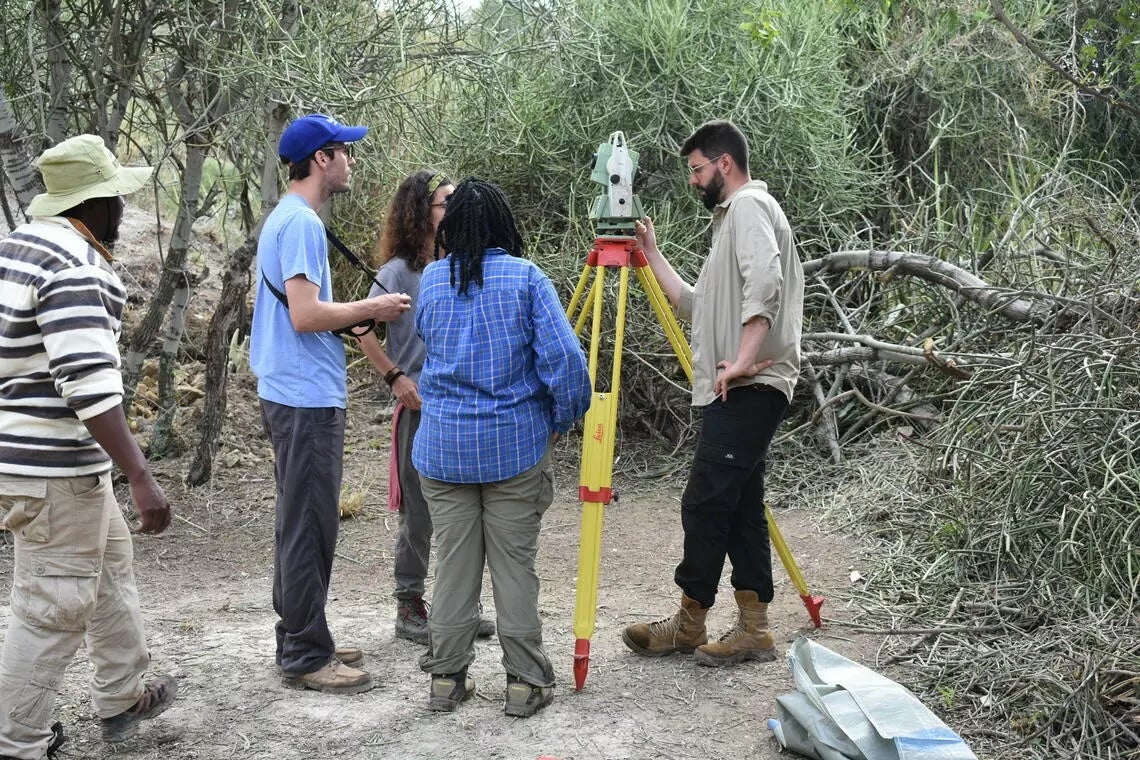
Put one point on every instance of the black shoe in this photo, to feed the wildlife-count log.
(447, 691)
(524, 699)
(57, 738)
(158, 695)
(486, 628)
(412, 620)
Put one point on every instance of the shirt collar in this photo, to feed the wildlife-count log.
(749, 185)
(81, 229)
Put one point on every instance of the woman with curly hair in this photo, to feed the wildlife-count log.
(406, 246)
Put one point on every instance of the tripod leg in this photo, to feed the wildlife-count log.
(579, 289)
(812, 603)
(665, 317)
(596, 480)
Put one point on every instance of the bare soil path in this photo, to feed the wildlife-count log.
(205, 595)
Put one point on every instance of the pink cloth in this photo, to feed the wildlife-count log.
(394, 463)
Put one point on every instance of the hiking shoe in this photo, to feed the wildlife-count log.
(351, 656)
(447, 691)
(158, 695)
(683, 632)
(412, 620)
(523, 699)
(749, 639)
(334, 678)
(346, 655)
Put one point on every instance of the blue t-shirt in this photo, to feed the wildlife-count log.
(503, 371)
(302, 369)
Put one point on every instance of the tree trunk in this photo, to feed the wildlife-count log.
(1008, 303)
(173, 273)
(59, 70)
(162, 438)
(230, 315)
(23, 177)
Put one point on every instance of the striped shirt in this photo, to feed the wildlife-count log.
(503, 371)
(61, 306)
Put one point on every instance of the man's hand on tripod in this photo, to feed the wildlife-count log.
(729, 371)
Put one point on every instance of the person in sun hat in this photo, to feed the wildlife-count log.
(302, 391)
(62, 425)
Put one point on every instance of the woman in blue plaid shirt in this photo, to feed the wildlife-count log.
(503, 378)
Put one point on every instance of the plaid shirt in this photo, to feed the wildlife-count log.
(503, 371)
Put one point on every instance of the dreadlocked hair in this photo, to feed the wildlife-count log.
(407, 223)
(478, 217)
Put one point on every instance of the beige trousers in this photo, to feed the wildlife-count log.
(495, 523)
(72, 583)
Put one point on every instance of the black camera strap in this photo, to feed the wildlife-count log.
(361, 328)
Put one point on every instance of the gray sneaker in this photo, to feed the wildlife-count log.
(156, 697)
(523, 699)
(412, 620)
(447, 691)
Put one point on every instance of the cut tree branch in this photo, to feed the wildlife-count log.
(1018, 306)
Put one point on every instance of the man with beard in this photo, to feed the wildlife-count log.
(302, 388)
(61, 426)
(746, 312)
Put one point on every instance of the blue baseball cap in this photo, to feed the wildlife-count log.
(305, 135)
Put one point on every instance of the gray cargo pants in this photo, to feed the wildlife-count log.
(413, 540)
(495, 523)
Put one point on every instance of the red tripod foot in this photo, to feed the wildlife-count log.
(581, 662)
(813, 603)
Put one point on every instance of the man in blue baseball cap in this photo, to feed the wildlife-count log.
(306, 135)
(301, 385)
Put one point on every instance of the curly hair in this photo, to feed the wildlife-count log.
(407, 223)
(478, 217)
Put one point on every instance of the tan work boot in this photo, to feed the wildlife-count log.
(683, 632)
(347, 655)
(333, 678)
(749, 639)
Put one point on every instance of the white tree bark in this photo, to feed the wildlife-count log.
(1015, 305)
(22, 176)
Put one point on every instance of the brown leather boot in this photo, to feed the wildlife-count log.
(683, 632)
(749, 639)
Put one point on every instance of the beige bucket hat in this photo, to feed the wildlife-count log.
(81, 168)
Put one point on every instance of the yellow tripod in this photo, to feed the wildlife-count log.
(596, 479)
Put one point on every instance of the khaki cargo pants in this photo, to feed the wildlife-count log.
(72, 582)
(495, 523)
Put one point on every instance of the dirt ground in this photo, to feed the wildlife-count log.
(205, 589)
(205, 595)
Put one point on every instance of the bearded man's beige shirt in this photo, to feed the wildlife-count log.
(752, 270)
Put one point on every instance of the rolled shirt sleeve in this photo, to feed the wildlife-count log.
(758, 256)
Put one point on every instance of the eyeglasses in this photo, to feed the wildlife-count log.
(698, 167)
(330, 150)
(441, 204)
